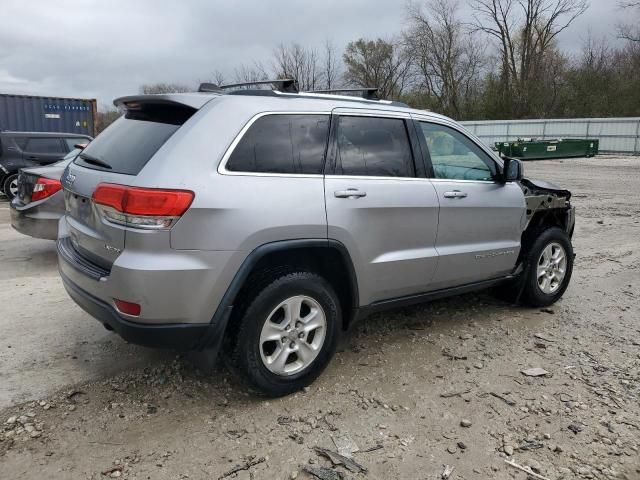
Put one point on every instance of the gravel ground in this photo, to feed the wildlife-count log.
(415, 393)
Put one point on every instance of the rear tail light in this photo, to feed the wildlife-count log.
(147, 208)
(45, 187)
(128, 308)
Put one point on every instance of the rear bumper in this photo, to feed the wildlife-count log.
(178, 291)
(179, 336)
(171, 286)
(35, 222)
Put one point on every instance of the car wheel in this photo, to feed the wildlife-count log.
(548, 268)
(10, 186)
(287, 334)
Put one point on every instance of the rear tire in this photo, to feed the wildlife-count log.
(274, 349)
(548, 268)
(10, 186)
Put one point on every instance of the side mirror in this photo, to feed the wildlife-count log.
(512, 170)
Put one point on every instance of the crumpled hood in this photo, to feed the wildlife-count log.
(548, 186)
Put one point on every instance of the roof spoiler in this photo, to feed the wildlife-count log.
(192, 100)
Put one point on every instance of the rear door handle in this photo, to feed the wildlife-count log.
(350, 193)
(455, 194)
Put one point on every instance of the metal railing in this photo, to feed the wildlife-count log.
(616, 135)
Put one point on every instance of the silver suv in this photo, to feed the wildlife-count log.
(268, 222)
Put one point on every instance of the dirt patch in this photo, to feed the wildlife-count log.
(433, 391)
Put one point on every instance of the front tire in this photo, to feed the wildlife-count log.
(287, 334)
(548, 268)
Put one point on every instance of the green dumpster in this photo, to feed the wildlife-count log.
(539, 149)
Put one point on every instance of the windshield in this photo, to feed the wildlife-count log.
(129, 143)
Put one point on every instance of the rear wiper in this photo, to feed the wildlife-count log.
(94, 160)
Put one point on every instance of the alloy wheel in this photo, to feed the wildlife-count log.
(552, 268)
(292, 335)
(13, 187)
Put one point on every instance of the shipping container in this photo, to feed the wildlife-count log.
(539, 149)
(24, 113)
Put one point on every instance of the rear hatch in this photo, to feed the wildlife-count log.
(117, 156)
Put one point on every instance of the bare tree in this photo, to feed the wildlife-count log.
(377, 63)
(447, 59)
(330, 66)
(525, 31)
(106, 116)
(254, 72)
(297, 62)
(153, 88)
(217, 77)
(630, 30)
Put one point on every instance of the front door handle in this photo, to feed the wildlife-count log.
(350, 193)
(455, 194)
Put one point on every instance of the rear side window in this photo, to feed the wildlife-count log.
(371, 146)
(282, 144)
(43, 145)
(129, 143)
(21, 142)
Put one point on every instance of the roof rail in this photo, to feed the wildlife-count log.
(368, 93)
(287, 85)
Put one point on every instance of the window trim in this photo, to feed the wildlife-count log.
(222, 166)
(427, 153)
(414, 146)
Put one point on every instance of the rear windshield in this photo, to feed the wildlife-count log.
(129, 143)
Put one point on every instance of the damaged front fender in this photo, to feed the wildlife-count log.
(548, 203)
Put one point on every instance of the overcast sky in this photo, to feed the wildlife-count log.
(104, 49)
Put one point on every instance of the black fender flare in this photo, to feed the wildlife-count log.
(212, 339)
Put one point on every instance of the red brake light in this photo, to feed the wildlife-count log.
(167, 203)
(129, 308)
(142, 207)
(45, 187)
(110, 196)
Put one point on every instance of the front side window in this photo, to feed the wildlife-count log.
(43, 145)
(372, 146)
(454, 156)
(282, 143)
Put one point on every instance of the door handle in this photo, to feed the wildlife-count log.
(350, 193)
(455, 194)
